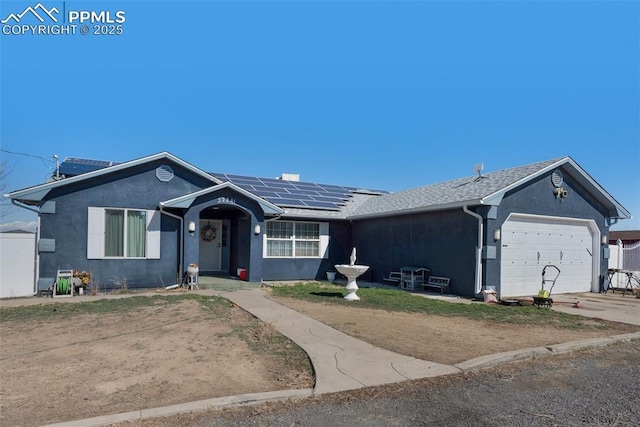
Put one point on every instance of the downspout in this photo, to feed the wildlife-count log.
(275, 218)
(36, 276)
(612, 222)
(478, 278)
(179, 218)
(23, 206)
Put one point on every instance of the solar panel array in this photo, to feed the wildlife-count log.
(277, 191)
(72, 166)
(294, 193)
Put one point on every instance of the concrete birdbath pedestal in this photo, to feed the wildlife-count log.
(351, 272)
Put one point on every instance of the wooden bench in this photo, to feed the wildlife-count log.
(438, 282)
(394, 278)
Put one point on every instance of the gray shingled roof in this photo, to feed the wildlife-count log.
(472, 191)
(455, 193)
(349, 207)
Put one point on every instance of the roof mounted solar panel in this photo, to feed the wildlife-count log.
(231, 176)
(336, 195)
(72, 166)
(297, 196)
(328, 199)
(306, 185)
(265, 194)
(287, 202)
(306, 195)
(245, 181)
(305, 192)
(326, 205)
(278, 184)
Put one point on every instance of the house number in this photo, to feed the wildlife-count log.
(226, 200)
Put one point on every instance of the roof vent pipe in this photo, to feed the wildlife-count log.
(289, 177)
(478, 276)
(57, 159)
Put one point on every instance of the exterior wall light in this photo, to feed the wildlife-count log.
(192, 227)
(496, 235)
(605, 239)
(256, 229)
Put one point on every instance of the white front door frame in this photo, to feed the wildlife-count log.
(210, 251)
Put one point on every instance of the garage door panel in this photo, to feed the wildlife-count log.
(530, 243)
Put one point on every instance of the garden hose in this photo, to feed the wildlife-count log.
(63, 286)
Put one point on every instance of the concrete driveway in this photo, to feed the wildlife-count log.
(609, 306)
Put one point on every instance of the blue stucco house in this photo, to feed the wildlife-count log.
(145, 220)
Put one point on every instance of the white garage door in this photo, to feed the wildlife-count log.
(531, 242)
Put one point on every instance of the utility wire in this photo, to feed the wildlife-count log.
(43, 159)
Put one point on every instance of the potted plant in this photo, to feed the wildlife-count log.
(331, 275)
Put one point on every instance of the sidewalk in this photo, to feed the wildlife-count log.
(341, 362)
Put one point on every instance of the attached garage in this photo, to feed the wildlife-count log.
(529, 242)
(495, 231)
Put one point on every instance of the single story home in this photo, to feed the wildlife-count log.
(144, 221)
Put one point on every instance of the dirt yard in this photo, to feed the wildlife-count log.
(98, 364)
(446, 340)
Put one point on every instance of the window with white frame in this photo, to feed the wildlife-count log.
(291, 239)
(123, 233)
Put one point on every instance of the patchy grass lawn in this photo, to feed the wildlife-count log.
(394, 300)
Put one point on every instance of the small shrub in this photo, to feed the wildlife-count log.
(122, 286)
(93, 287)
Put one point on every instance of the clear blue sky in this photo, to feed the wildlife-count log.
(381, 94)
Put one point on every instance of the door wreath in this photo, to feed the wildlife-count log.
(208, 233)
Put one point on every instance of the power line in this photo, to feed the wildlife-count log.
(43, 159)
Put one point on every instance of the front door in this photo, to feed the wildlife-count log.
(210, 245)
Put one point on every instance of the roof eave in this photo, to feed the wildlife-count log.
(31, 201)
(315, 214)
(184, 202)
(420, 209)
(39, 192)
(616, 210)
(496, 197)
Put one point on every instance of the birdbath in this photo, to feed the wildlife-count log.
(351, 271)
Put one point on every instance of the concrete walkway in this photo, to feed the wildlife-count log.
(341, 362)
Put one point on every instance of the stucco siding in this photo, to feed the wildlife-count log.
(137, 188)
(537, 198)
(247, 247)
(312, 268)
(443, 241)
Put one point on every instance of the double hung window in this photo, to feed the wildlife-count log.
(123, 233)
(292, 239)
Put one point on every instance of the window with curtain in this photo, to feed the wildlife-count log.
(125, 233)
(291, 239)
